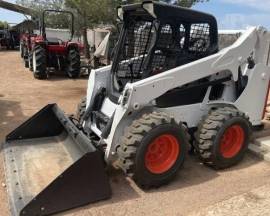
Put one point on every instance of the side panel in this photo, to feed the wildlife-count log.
(254, 42)
(228, 59)
(190, 114)
(97, 79)
(252, 99)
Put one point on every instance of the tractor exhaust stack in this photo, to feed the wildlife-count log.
(51, 166)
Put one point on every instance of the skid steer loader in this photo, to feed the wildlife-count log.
(168, 86)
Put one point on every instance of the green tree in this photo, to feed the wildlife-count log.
(183, 3)
(190, 3)
(52, 20)
(40, 5)
(4, 25)
(92, 12)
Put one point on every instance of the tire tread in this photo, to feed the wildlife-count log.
(208, 129)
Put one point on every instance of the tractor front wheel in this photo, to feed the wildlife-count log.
(73, 63)
(153, 149)
(26, 58)
(223, 137)
(39, 63)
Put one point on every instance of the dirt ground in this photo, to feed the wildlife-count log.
(197, 190)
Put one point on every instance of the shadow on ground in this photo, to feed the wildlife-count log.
(193, 173)
(11, 116)
(5, 50)
(61, 75)
(122, 191)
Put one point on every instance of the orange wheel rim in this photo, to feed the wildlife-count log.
(232, 141)
(162, 153)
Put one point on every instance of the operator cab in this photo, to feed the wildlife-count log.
(157, 37)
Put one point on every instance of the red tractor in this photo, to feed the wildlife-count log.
(46, 51)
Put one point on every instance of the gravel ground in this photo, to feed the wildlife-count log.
(195, 188)
(253, 203)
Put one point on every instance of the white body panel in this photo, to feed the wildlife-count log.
(142, 94)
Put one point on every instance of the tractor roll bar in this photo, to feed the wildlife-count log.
(43, 30)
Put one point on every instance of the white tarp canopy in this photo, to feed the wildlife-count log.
(103, 48)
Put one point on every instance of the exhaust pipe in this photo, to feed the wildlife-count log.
(52, 166)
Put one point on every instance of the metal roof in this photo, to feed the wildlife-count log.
(16, 8)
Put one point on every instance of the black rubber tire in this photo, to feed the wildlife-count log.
(21, 50)
(210, 132)
(138, 136)
(39, 63)
(25, 58)
(81, 108)
(30, 61)
(73, 66)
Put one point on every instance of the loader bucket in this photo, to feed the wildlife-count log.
(51, 166)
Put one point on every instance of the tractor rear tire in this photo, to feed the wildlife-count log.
(81, 108)
(39, 63)
(222, 137)
(153, 149)
(73, 64)
(25, 58)
(30, 61)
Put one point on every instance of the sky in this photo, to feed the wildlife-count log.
(230, 14)
(238, 14)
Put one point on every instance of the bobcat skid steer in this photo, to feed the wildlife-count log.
(168, 83)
